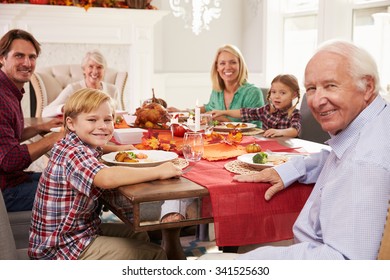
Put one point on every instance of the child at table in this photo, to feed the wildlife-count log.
(65, 220)
(279, 117)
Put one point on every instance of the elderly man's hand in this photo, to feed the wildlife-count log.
(268, 175)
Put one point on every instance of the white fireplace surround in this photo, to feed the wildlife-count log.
(124, 36)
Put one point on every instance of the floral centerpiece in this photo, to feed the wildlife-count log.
(86, 4)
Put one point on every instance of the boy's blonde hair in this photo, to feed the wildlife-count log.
(217, 83)
(84, 101)
(292, 83)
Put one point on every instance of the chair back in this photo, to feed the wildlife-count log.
(48, 82)
(311, 129)
(384, 250)
(7, 241)
(265, 93)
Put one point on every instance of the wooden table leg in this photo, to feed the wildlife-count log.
(171, 244)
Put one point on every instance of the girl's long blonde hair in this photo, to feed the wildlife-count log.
(292, 83)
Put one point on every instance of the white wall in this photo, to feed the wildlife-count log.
(183, 60)
(125, 37)
(181, 51)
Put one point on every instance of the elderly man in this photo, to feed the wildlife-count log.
(345, 214)
(18, 54)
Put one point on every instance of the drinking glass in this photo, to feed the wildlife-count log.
(193, 146)
(206, 123)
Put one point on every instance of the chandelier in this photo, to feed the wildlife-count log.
(196, 14)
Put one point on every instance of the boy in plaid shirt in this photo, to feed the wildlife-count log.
(65, 220)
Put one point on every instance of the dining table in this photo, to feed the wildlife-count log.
(240, 214)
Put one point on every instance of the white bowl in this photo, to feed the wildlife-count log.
(129, 135)
(120, 112)
(129, 119)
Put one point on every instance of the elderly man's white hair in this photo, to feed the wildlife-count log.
(361, 62)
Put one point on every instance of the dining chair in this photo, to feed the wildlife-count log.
(311, 129)
(384, 250)
(48, 82)
(265, 93)
(8, 250)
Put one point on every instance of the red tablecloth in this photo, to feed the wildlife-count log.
(241, 214)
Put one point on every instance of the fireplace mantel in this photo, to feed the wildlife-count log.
(125, 37)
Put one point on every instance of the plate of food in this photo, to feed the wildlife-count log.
(180, 116)
(263, 160)
(57, 129)
(139, 158)
(228, 126)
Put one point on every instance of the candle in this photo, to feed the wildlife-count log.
(197, 116)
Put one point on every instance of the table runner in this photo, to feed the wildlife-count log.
(241, 214)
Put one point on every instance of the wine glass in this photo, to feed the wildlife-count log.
(206, 123)
(193, 147)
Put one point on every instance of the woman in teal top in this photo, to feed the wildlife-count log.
(231, 90)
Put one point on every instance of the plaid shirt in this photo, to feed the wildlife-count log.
(278, 119)
(14, 158)
(65, 218)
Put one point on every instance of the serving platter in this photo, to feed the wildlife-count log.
(228, 126)
(154, 158)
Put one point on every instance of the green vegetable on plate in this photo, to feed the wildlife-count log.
(260, 158)
(132, 155)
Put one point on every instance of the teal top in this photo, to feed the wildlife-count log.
(247, 96)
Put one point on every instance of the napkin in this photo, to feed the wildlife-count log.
(221, 151)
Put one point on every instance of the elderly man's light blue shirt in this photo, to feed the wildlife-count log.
(345, 214)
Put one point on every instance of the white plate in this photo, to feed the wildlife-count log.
(279, 157)
(155, 157)
(56, 129)
(180, 114)
(225, 128)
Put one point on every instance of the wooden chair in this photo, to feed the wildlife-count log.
(8, 250)
(265, 93)
(311, 129)
(48, 82)
(384, 250)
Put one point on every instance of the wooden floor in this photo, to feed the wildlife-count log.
(192, 246)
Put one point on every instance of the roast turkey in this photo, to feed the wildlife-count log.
(152, 115)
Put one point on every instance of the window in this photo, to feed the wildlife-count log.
(371, 31)
(300, 35)
(305, 23)
(300, 39)
(300, 5)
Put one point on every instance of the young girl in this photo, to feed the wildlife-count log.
(279, 116)
(65, 220)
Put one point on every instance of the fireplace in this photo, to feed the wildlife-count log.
(124, 36)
